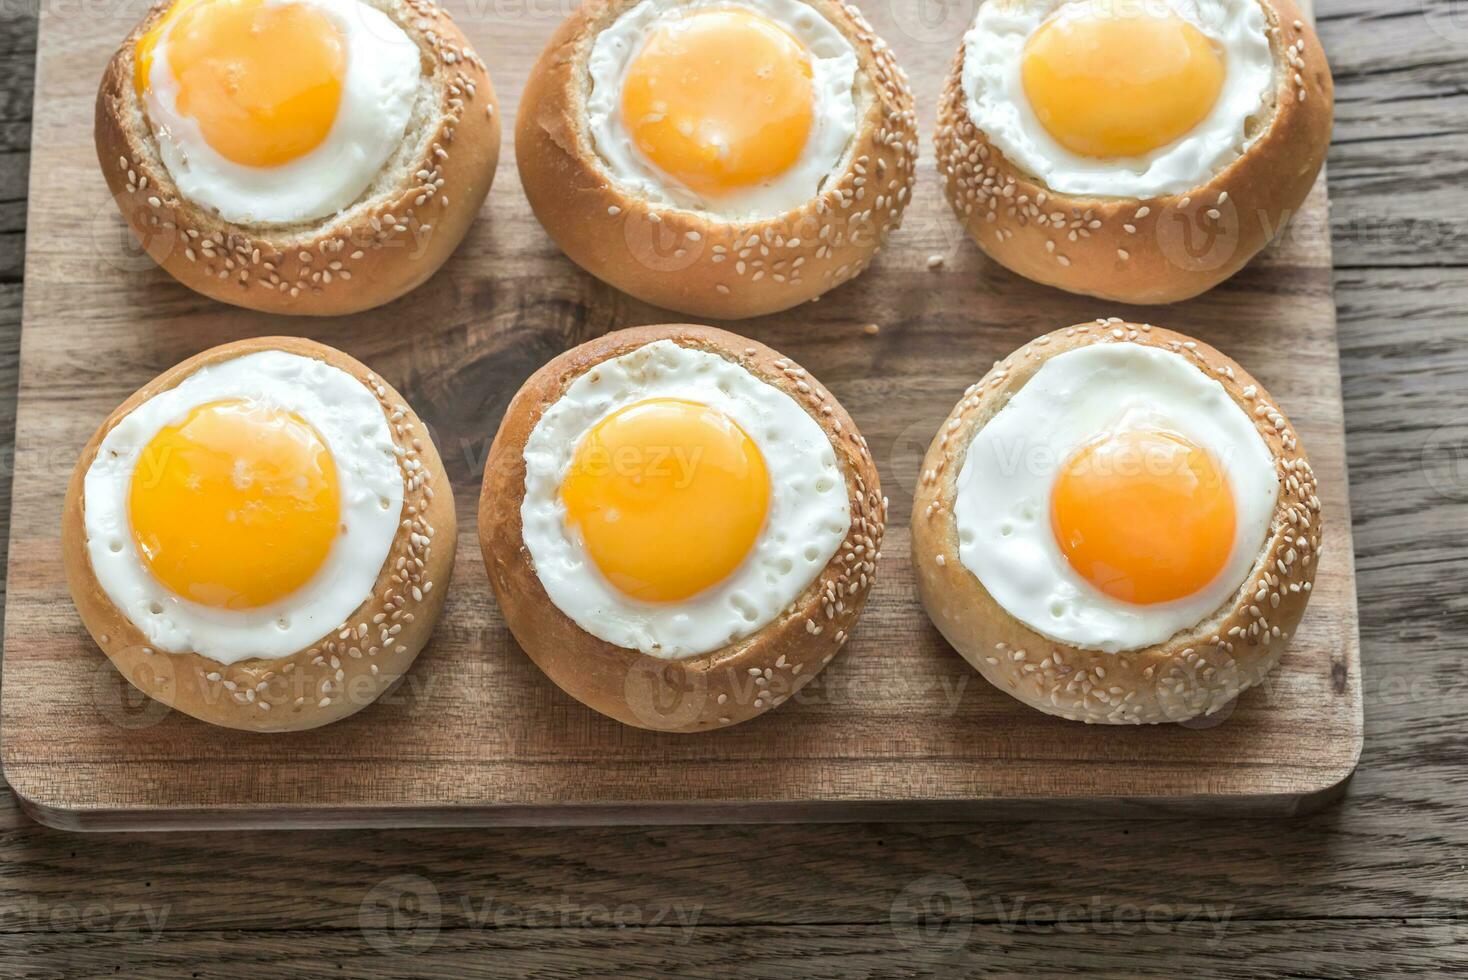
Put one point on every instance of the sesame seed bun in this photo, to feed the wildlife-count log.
(704, 691)
(391, 240)
(1162, 249)
(692, 261)
(1197, 671)
(347, 668)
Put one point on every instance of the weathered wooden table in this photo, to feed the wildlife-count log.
(1374, 887)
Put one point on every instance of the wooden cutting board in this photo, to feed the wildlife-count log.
(898, 727)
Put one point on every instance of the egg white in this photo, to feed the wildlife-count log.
(809, 514)
(997, 104)
(349, 420)
(382, 82)
(834, 80)
(1002, 503)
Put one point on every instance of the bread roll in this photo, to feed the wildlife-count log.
(389, 241)
(695, 261)
(720, 687)
(1198, 670)
(350, 664)
(1162, 249)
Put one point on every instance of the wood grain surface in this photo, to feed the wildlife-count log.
(898, 727)
(1372, 887)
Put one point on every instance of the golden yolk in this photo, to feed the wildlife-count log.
(262, 81)
(236, 506)
(669, 496)
(1120, 84)
(720, 99)
(1144, 516)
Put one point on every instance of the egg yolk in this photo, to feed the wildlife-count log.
(1145, 516)
(669, 497)
(720, 100)
(235, 506)
(1120, 84)
(263, 80)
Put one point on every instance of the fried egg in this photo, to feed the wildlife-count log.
(276, 111)
(675, 503)
(1119, 98)
(1118, 497)
(739, 109)
(247, 511)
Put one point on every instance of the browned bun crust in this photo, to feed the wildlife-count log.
(343, 671)
(1195, 672)
(690, 261)
(706, 691)
(396, 236)
(1163, 249)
